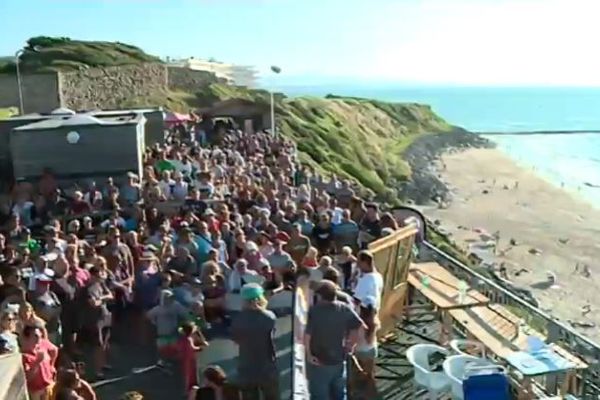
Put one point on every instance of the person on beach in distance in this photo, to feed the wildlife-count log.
(331, 334)
(253, 329)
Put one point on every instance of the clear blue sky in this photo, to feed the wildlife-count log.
(496, 42)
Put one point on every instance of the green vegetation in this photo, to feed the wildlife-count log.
(354, 138)
(43, 54)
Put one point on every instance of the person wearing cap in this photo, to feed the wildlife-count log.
(366, 348)
(280, 260)
(166, 316)
(370, 281)
(331, 333)
(48, 306)
(253, 329)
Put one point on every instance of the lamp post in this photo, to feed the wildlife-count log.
(275, 70)
(17, 55)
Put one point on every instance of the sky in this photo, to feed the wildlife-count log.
(432, 42)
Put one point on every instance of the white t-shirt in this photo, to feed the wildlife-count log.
(369, 284)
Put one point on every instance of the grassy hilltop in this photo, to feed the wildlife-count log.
(43, 54)
(355, 138)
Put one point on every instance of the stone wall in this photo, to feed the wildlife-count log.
(40, 92)
(95, 88)
(180, 78)
(107, 87)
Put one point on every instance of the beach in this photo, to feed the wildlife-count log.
(553, 229)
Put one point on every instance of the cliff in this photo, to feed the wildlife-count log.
(360, 139)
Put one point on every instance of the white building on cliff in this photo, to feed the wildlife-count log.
(242, 75)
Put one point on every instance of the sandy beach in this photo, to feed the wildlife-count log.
(537, 215)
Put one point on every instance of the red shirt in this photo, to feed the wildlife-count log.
(44, 374)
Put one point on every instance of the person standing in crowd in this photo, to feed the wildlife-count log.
(332, 331)
(8, 330)
(253, 330)
(298, 244)
(167, 317)
(38, 364)
(96, 319)
(366, 348)
(370, 281)
(370, 226)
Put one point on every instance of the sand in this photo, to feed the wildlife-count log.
(537, 215)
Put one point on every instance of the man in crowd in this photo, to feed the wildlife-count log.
(370, 281)
(331, 334)
(253, 330)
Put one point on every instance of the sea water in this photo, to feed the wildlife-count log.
(571, 161)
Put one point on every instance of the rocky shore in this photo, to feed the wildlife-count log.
(425, 184)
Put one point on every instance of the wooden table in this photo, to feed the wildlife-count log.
(501, 333)
(442, 291)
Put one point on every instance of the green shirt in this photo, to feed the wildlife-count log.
(164, 165)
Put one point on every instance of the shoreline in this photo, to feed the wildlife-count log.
(543, 229)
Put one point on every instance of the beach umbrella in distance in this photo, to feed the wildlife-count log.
(275, 69)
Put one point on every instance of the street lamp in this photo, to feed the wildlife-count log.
(275, 70)
(17, 55)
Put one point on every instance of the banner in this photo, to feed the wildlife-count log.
(12, 385)
(300, 380)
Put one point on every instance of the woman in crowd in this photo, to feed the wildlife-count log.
(214, 291)
(28, 317)
(366, 348)
(8, 330)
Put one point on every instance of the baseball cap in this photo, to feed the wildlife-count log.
(252, 291)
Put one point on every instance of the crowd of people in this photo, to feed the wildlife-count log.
(236, 214)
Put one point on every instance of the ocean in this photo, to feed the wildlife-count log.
(571, 161)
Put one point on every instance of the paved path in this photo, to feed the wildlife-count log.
(155, 384)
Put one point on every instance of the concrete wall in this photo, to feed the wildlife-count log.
(180, 78)
(40, 91)
(107, 87)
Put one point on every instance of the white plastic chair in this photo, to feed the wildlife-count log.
(458, 347)
(455, 368)
(436, 383)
